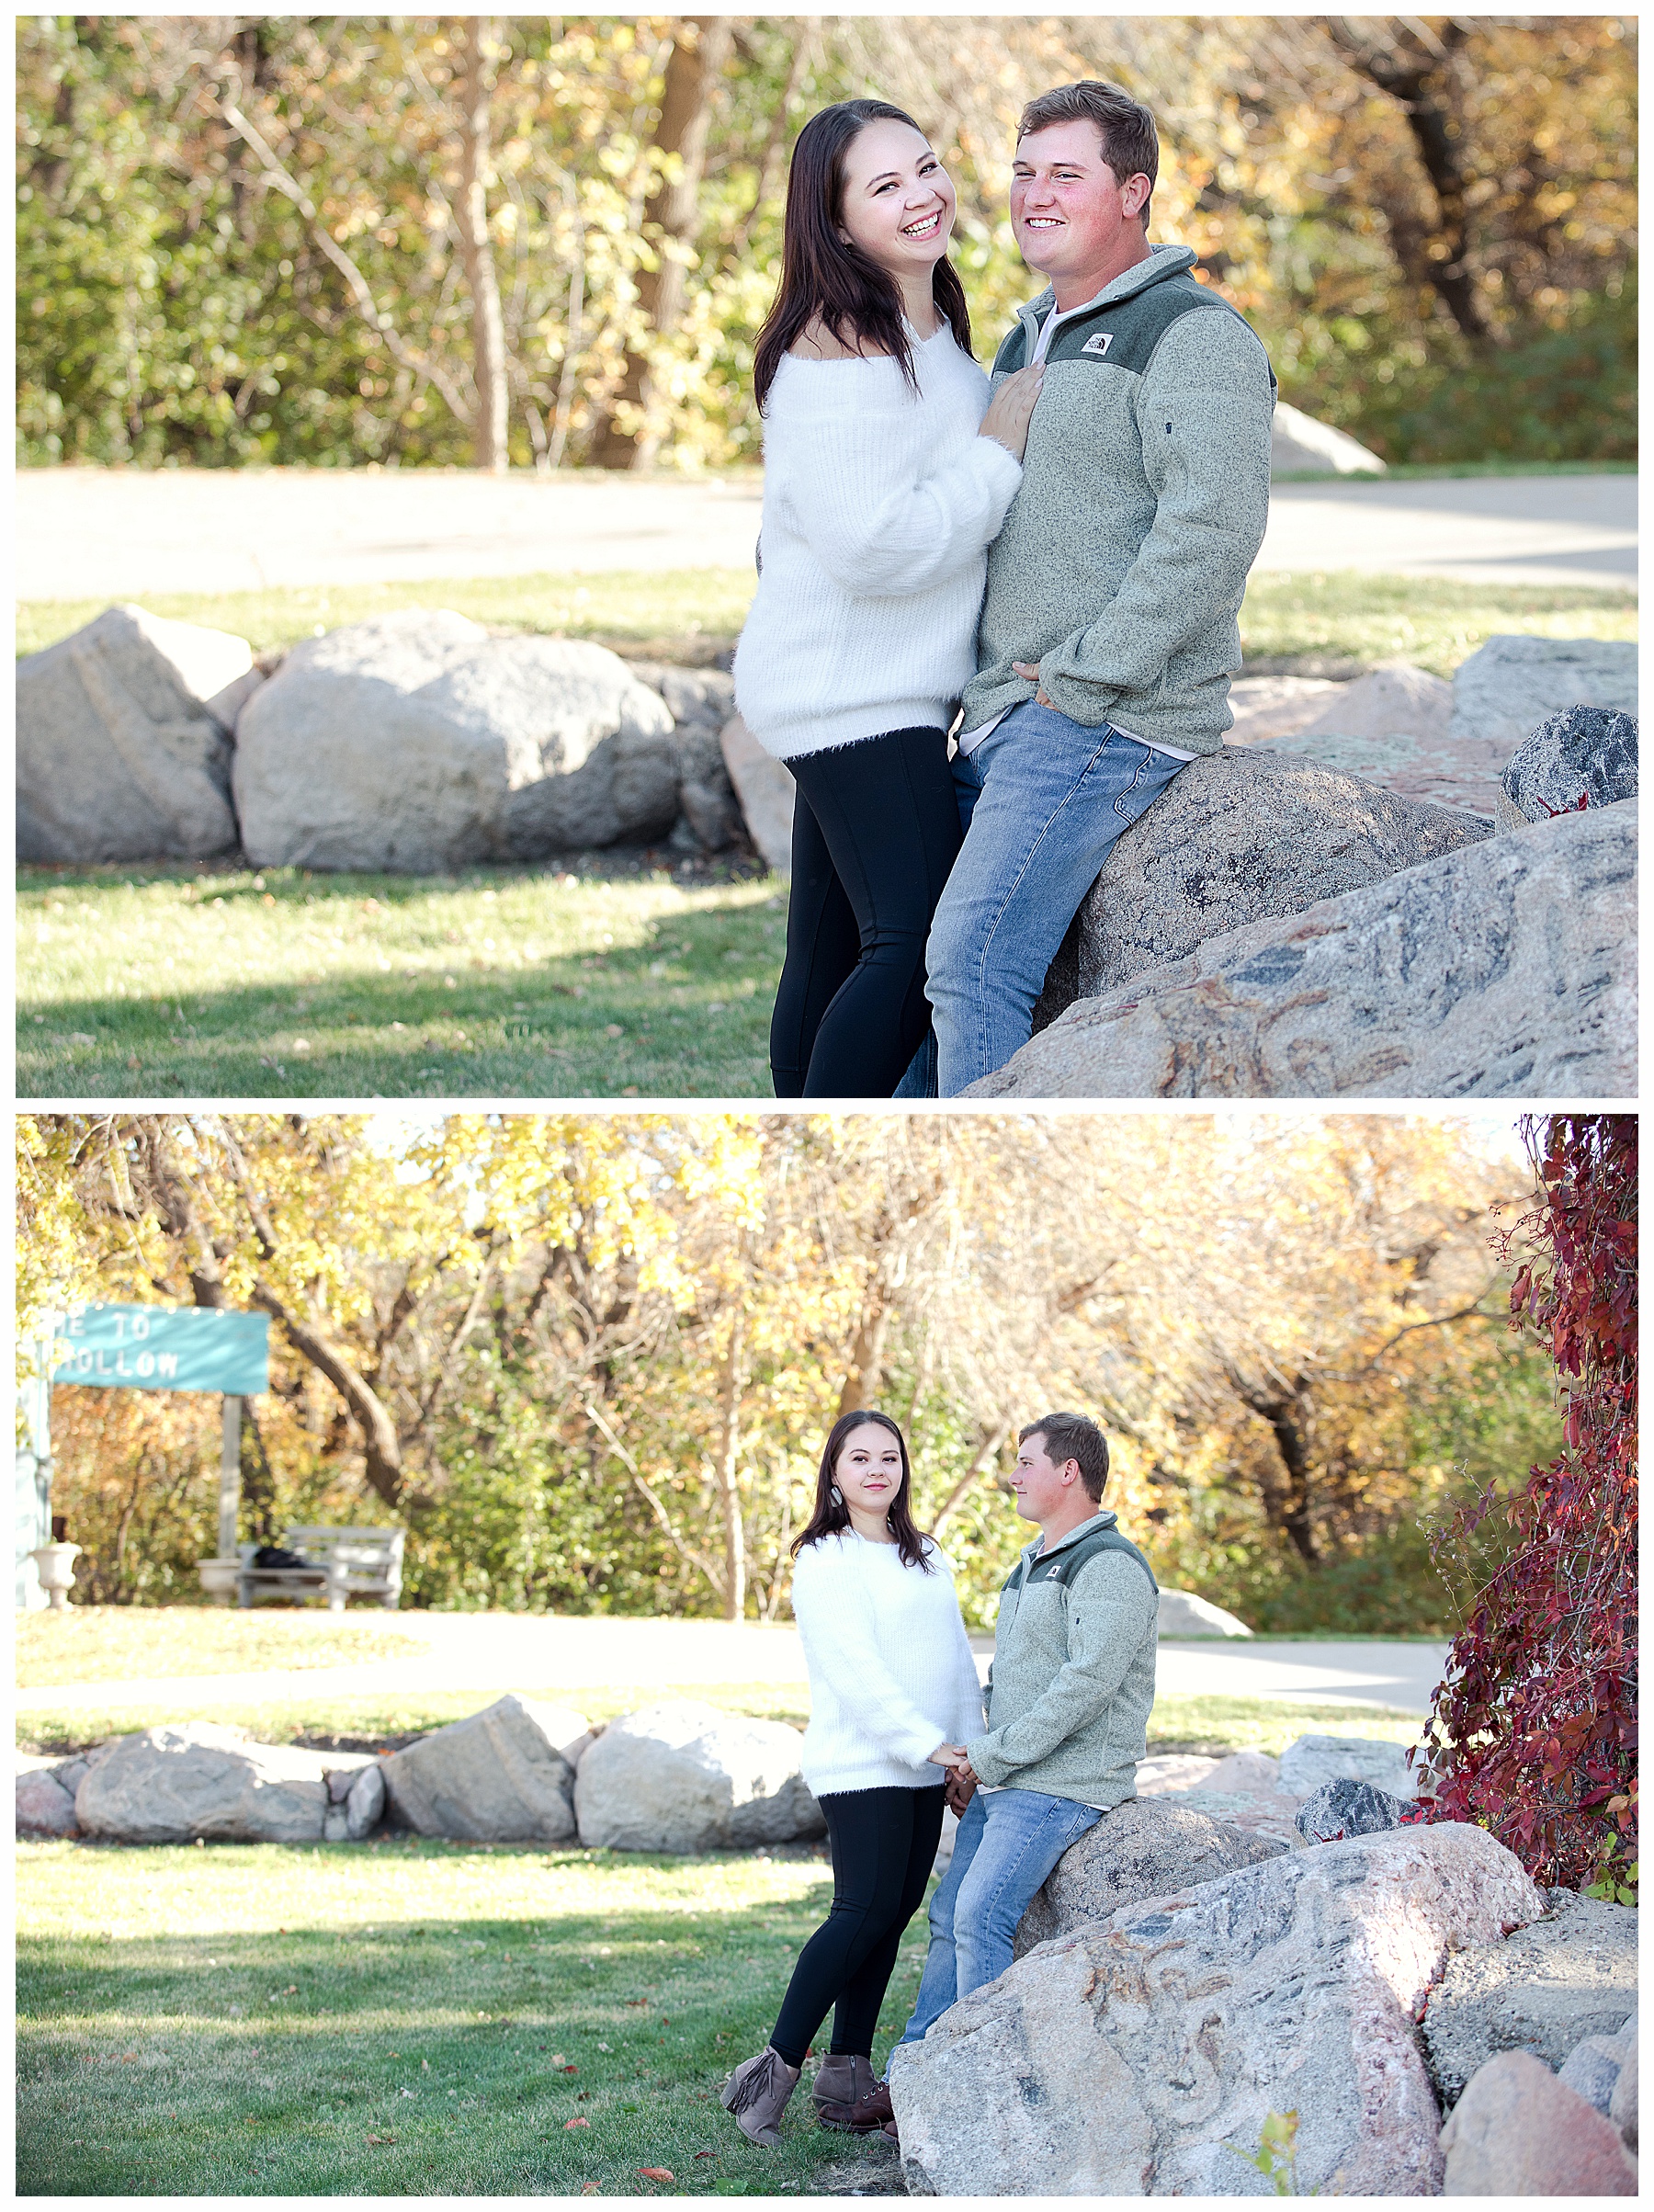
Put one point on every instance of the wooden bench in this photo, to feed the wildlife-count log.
(345, 1563)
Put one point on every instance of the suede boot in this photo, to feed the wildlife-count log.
(849, 2094)
(757, 2094)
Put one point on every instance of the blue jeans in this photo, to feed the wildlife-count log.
(1043, 800)
(1007, 1842)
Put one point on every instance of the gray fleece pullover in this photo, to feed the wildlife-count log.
(1072, 1680)
(1122, 563)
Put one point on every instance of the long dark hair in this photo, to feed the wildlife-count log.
(821, 275)
(829, 1518)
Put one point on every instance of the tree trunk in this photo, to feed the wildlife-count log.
(382, 1447)
(474, 87)
(865, 1368)
(1290, 1411)
(1418, 80)
(728, 1452)
(671, 218)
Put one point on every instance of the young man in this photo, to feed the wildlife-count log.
(1069, 1699)
(1108, 631)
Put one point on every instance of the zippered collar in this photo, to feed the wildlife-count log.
(1104, 1518)
(1163, 261)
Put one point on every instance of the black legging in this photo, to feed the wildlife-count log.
(876, 829)
(883, 1844)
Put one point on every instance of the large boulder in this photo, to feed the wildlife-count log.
(1236, 837)
(699, 700)
(1510, 685)
(766, 791)
(1392, 727)
(682, 1776)
(1244, 1791)
(1276, 706)
(123, 741)
(1183, 1614)
(45, 1808)
(1571, 1974)
(1507, 970)
(1584, 756)
(1141, 2058)
(417, 742)
(1311, 1760)
(1299, 445)
(1518, 2131)
(1143, 1848)
(200, 1778)
(506, 1774)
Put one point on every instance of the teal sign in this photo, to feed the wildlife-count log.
(164, 1348)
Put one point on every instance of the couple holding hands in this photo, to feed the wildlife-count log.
(995, 616)
(894, 1697)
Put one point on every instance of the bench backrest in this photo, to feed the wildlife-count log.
(362, 1551)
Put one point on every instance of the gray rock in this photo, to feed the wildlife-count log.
(1584, 753)
(1622, 2106)
(1244, 1791)
(365, 1807)
(1147, 1847)
(504, 1774)
(72, 1773)
(124, 744)
(44, 1807)
(1299, 445)
(705, 791)
(765, 789)
(1504, 970)
(1312, 1759)
(1510, 684)
(1592, 2069)
(1518, 2131)
(1127, 2058)
(1570, 1974)
(682, 1776)
(335, 1825)
(200, 1778)
(1342, 1808)
(417, 742)
(1183, 1614)
(1237, 837)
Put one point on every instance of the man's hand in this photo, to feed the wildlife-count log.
(957, 1793)
(1031, 669)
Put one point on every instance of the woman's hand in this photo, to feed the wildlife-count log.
(949, 1755)
(1006, 421)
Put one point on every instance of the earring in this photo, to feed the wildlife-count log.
(836, 1493)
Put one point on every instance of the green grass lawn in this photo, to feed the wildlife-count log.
(409, 2018)
(112, 1643)
(602, 976)
(516, 982)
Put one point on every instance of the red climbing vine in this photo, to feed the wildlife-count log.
(1534, 1731)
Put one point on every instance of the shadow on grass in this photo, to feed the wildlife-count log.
(584, 1022)
(405, 2031)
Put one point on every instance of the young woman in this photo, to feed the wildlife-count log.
(884, 482)
(893, 1694)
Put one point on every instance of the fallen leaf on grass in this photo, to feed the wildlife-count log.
(655, 2174)
(382, 2138)
(705, 2154)
(579, 2120)
(591, 2189)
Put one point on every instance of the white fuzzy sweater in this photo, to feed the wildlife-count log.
(891, 1675)
(879, 508)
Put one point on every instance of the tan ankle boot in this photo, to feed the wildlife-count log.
(849, 2094)
(757, 2094)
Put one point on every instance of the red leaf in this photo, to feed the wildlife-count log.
(655, 2174)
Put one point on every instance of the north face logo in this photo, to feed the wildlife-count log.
(1099, 343)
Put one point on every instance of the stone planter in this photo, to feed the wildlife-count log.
(218, 1577)
(54, 1563)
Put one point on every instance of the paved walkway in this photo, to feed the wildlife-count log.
(95, 533)
(488, 1653)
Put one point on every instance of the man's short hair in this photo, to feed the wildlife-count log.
(1130, 144)
(1073, 1437)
